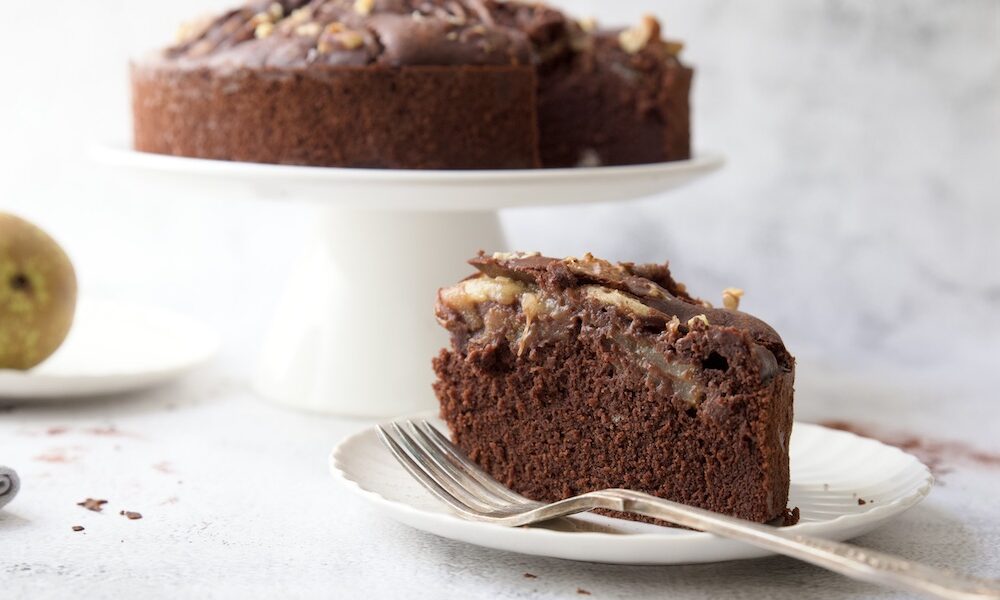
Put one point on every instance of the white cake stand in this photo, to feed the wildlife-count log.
(355, 332)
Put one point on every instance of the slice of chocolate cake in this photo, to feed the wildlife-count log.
(567, 376)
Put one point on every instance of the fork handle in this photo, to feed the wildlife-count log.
(852, 561)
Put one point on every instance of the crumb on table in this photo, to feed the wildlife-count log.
(93, 504)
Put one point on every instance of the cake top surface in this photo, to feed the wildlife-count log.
(300, 33)
(647, 293)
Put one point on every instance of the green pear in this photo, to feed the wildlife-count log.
(37, 294)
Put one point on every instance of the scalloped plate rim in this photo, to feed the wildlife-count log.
(868, 520)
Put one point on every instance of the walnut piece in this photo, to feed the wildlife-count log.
(337, 36)
(300, 15)
(731, 298)
(311, 29)
(263, 30)
(261, 18)
(588, 25)
(364, 7)
(697, 318)
(193, 30)
(334, 28)
(636, 38)
(351, 39)
(588, 264)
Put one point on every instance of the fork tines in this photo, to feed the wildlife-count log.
(445, 471)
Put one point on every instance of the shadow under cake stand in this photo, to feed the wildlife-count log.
(354, 331)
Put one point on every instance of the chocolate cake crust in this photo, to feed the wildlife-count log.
(443, 118)
(567, 376)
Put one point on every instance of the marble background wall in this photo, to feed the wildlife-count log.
(860, 207)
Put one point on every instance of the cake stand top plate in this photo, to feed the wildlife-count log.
(414, 190)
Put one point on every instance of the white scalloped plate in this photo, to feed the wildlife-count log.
(115, 347)
(831, 470)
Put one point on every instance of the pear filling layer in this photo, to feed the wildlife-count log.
(485, 306)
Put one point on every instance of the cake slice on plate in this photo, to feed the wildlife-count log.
(566, 376)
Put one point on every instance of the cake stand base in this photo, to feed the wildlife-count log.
(355, 331)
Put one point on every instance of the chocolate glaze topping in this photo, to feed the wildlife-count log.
(651, 285)
(298, 33)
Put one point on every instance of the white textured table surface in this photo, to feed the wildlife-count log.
(864, 190)
(236, 501)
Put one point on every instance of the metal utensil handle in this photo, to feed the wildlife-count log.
(852, 561)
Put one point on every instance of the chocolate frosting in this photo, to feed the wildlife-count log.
(300, 33)
(650, 284)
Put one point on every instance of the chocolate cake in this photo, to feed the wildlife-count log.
(567, 376)
(420, 84)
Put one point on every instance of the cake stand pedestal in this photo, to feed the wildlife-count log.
(354, 332)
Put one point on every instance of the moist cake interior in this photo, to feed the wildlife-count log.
(567, 376)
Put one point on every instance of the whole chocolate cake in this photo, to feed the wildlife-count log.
(567, 376)
(413, 84)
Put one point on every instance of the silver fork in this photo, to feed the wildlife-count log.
(448, 474)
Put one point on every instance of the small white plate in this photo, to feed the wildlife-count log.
(411, 189)
(115, 347)
(831, 470)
